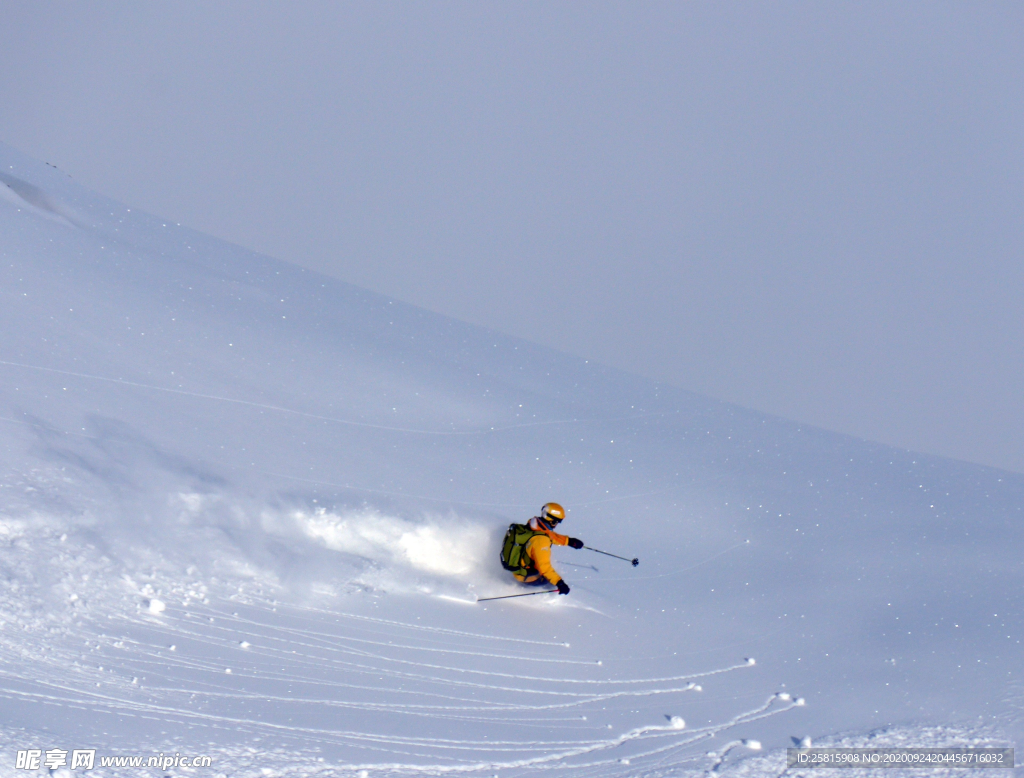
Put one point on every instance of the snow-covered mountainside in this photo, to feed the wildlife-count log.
(246, 512)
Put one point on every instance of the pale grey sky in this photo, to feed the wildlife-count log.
(812, 209)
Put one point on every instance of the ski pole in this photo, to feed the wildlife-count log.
(506, 596)
(634, 561)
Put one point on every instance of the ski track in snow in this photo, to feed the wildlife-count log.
(312, 655)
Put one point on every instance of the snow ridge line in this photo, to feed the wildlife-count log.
(447, 501)
(348, 422)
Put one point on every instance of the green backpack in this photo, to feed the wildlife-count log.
(513, 550)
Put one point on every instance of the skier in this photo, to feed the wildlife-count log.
(526, 552)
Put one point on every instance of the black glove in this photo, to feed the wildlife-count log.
(563, 587)
(575, 543)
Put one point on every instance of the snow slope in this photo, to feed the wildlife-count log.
(246, 511)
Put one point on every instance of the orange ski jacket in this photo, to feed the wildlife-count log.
(538, 549)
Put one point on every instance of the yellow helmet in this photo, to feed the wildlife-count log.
(552, 513)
